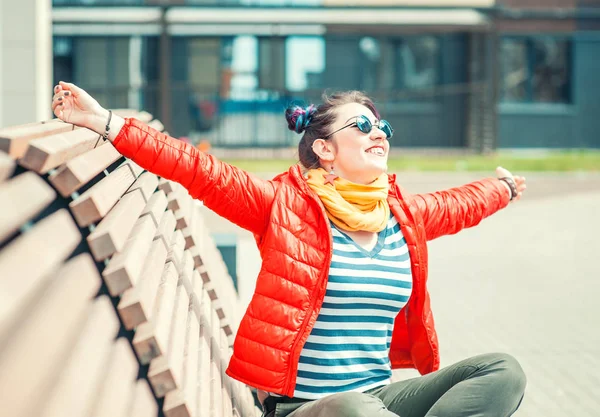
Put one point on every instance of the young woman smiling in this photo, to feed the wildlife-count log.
(341, 298)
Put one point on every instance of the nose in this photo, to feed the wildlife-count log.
(377, 133)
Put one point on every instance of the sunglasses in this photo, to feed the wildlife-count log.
(364, 125)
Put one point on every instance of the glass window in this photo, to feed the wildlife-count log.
(550, 75)
(535, 70)
(242, 55)
(417, 62)
(305, 62)
(515, 71)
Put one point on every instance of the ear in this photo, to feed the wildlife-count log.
(324, 149)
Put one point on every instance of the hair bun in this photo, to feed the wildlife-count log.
(298, 118)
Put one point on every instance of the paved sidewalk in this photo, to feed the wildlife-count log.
(525, 281)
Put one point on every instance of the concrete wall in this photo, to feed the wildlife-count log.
(25, 61)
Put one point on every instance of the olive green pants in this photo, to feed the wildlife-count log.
(490, 385)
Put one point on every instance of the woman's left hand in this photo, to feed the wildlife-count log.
(519, 181)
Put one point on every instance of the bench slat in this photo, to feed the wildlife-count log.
(76, 388)
(125, 268)
(146, 183)
(36, 350)
(15, 140)
(151, 338)
(225, 387)
(77, 172)
(165, 371)
(156, 206)
(113, 230)
(175, 253)
(117, 389)
(23, 197)
(27, 262)
(183, 402)
(166, 228)
(48, 152)
(137, 303)
(170, 186)
(156, 124)
(93, 204)
(7, 166)
(204, 367)
(134, 114)
(143, 404)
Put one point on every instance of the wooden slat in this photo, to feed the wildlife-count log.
(23, 197)
(226, 387)
(156, 124)
(37, 349)
(170, 186)
(7, 166)
(137, 303)
(125, 268)
(14, 140)
(216, 399)
(93, 204)
(115, 396)
(204, 367)
(77, 386)
(146, 183)
(165, 370)
(183, 402)
(134, 114)
(113, 230)
(166, 228)
(46, 153)
(135, 168)
(185, 215)
(27, 262)
(175, 253)
(152, 337)
(156, 206)
(143, 404)
(77, 172)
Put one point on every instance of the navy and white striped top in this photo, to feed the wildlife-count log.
(347, 350)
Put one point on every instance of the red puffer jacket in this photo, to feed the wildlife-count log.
(294, 238)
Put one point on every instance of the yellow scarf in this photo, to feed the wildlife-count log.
(351, 206)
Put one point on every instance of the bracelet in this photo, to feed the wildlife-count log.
(107, 128)
(511, 185)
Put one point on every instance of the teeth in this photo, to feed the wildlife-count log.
(376, 151)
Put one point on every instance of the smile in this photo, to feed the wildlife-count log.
(376, 150)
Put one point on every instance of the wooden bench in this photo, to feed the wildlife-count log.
(114, 300)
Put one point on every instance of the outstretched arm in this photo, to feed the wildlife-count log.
(448, 212)
(229, 191)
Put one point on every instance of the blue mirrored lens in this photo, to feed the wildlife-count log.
(364, 124)
(386, 128)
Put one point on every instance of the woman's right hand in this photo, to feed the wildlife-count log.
(74, 105)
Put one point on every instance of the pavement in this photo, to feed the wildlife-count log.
(525, 282)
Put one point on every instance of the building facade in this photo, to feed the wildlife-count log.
(478, 74)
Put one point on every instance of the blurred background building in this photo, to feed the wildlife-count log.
(478, 74)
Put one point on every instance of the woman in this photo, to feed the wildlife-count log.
(341, 297)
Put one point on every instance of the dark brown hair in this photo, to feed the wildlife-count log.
(316, 122)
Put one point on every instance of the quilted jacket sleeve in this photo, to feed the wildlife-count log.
(229, 191)
(448, 212)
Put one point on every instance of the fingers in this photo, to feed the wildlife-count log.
(502, 172)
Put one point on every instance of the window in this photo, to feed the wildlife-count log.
(535, 70)
(305, 63)
(417, 62)
(404, 65)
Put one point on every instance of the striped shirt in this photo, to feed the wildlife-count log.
(348, 347)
